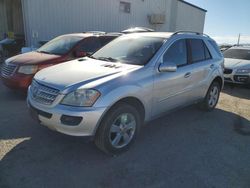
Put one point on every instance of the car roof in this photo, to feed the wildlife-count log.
(137, 30)
(90, 34)
(82, 35)
(151, 34)
(112, 34)
(168, 35)
(165, 35)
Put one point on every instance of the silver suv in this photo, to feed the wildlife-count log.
(132, 80)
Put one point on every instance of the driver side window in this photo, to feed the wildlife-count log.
(177, 53)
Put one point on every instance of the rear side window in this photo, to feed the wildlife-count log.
(90, 45)
(216, 48)
(177, 53)
(207, 53)
(199, 50)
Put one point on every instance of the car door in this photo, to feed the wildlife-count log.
(201, 64)
(172, 89)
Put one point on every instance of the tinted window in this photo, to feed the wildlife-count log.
(207, 53)
(197, 50)
(215, 46)
(106, 39)
(177, 53)
(237, 54)
(90, 45)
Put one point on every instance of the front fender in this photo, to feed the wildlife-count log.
(143, 94)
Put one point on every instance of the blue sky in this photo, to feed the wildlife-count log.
(225, 19)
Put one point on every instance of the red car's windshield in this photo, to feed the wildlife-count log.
(60, 45)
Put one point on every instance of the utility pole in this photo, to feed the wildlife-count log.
(238, 43)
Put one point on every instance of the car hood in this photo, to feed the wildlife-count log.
(80, 72)
(33, 58)
(236, 63)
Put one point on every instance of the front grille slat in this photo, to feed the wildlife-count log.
(43, 94)
(8, 69)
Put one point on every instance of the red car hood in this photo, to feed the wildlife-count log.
(34, 58)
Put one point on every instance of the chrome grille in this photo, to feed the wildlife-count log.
(8, 69)
(43, 94)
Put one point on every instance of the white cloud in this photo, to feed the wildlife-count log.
(231, 39)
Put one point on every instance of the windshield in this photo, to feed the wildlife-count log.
(60, 45)
(237, 54)
(130, 50)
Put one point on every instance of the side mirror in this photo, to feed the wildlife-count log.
(80, 54)
(167, 67)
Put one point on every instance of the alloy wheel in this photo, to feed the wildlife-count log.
(122, 130)
(213, 96)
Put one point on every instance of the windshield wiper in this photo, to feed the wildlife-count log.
(110, 59)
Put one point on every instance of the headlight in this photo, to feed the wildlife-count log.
(81, 97)
(243, 71)
(28, 69)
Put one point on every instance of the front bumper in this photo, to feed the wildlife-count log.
(53, 118)
(237, 78)
(18, 81)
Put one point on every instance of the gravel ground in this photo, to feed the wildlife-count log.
(187, 148)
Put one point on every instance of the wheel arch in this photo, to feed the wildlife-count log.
(133, 101)
(219, 80)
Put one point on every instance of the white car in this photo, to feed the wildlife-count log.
(237, 65)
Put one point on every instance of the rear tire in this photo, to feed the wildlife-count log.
(118, 129)
(212, 97)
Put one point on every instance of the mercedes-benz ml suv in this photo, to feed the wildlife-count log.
(132, 80)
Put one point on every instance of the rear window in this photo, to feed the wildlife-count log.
(237, 54)
(216, 48)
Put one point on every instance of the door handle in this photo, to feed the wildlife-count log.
(212, 66)
(187, 75)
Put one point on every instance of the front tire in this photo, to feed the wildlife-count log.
(212, 97)
(118, 129)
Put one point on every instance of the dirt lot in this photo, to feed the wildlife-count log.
(187, 148)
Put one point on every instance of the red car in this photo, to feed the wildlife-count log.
(18, 71)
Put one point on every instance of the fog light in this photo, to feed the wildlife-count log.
(71, 120)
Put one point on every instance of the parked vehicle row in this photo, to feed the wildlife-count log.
(131, 80)
(18, 71)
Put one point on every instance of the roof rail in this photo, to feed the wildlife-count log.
(191, 32)
(96, 32)
(113, 33)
